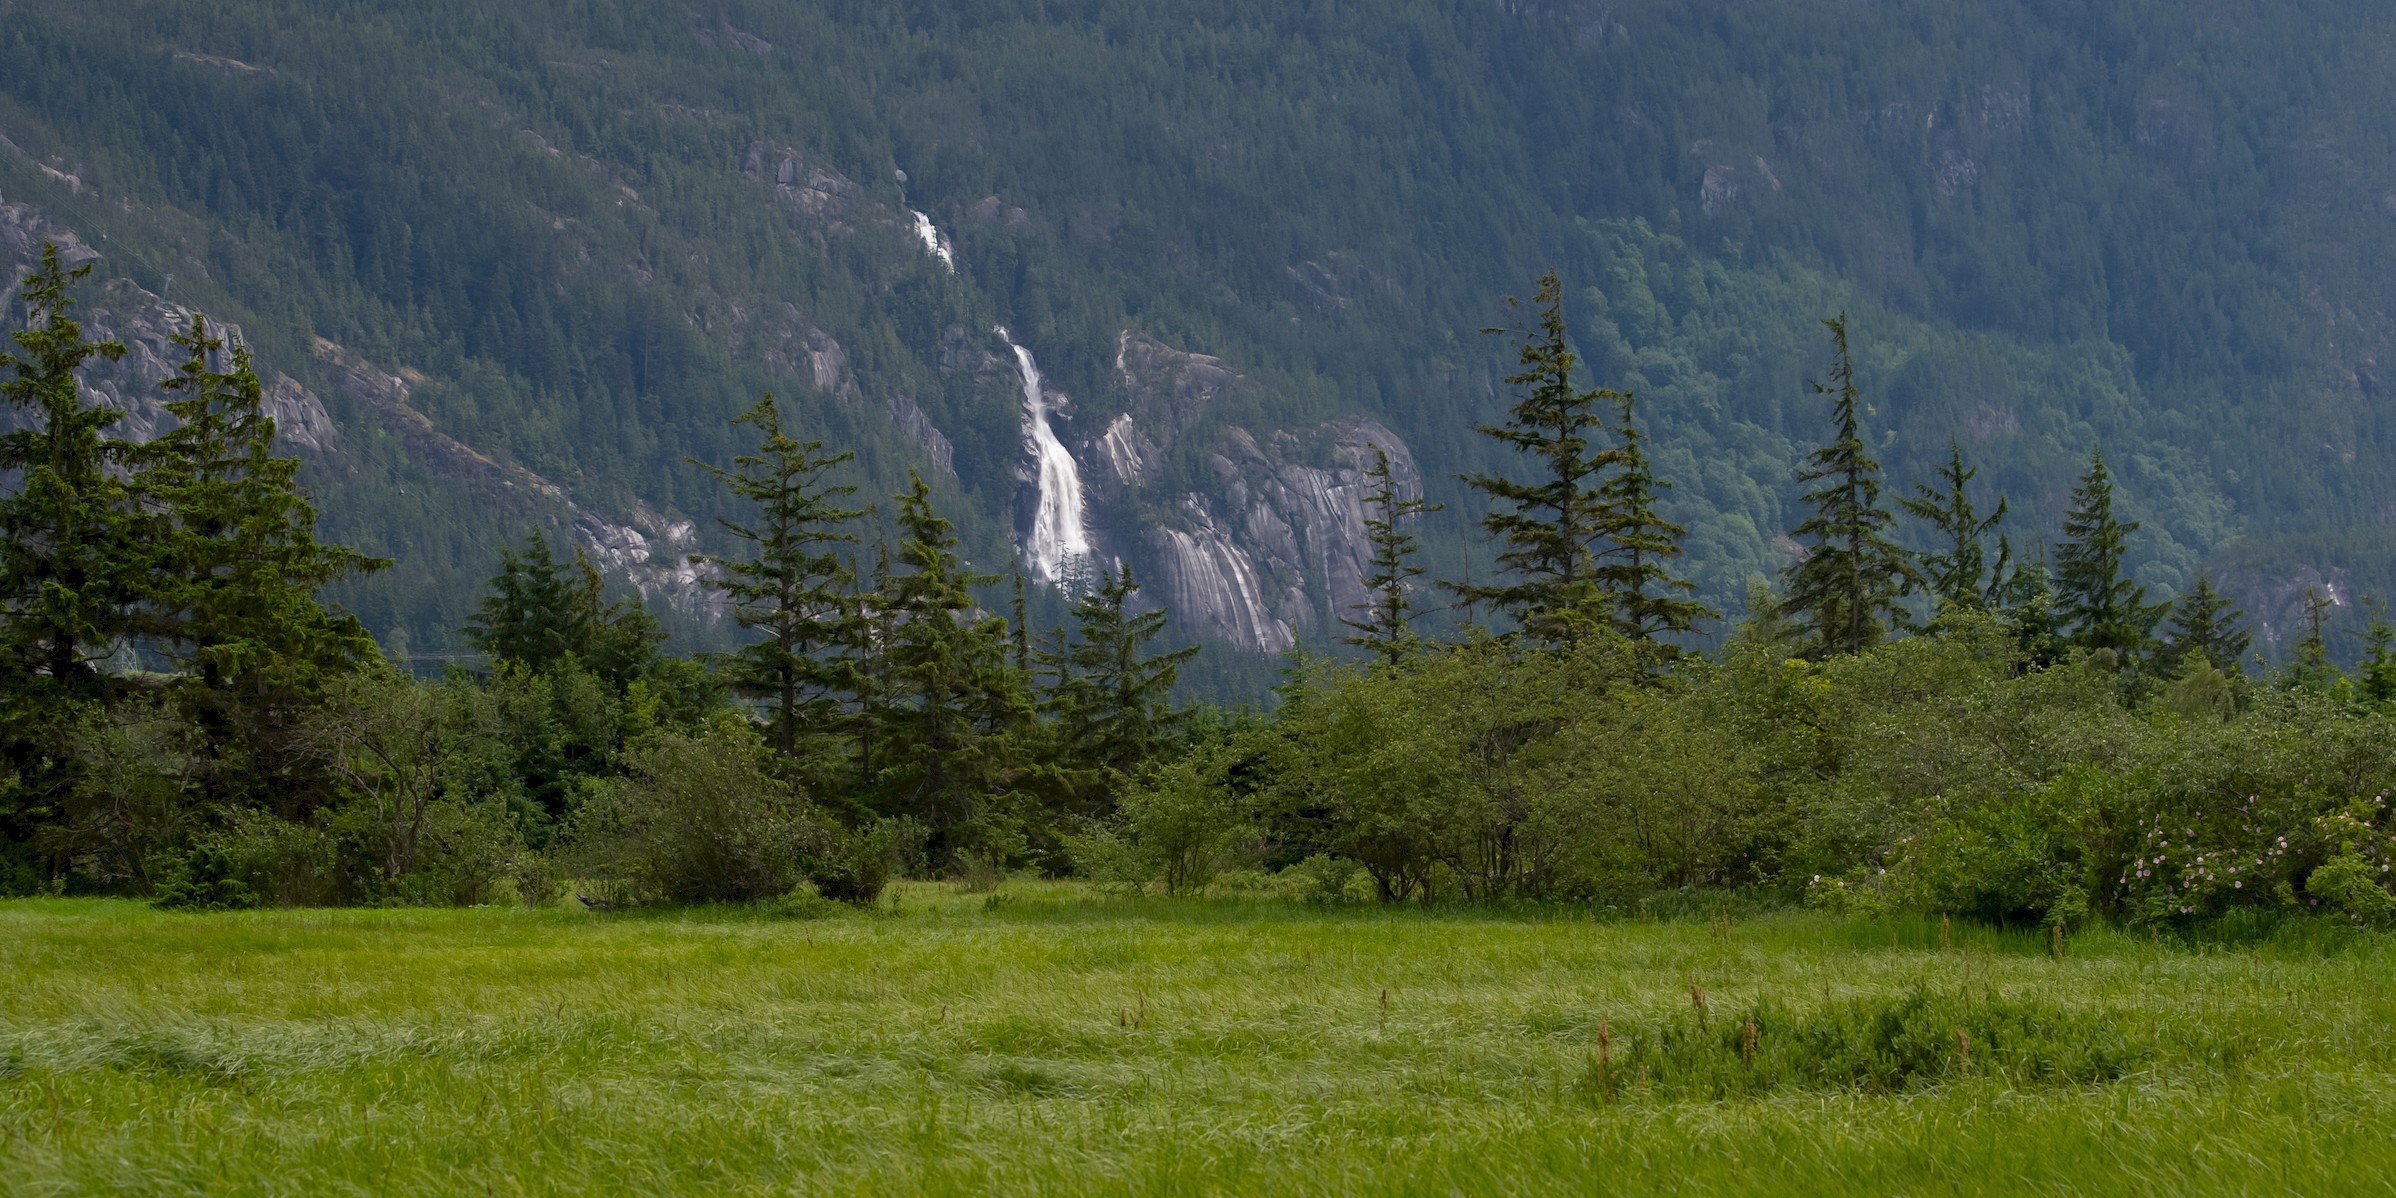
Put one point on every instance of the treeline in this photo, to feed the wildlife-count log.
(1991, 727)
(186, 720)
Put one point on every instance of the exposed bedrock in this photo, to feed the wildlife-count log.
(1249, 538)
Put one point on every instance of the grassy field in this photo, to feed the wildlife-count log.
(1042, 1040)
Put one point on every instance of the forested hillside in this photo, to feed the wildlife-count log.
(528, 259)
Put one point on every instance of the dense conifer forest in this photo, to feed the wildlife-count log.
(2156, 230)
(1967, 729)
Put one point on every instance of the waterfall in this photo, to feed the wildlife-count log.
(933, 242)
(1058, 542)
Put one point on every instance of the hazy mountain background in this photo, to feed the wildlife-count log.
(514, 263)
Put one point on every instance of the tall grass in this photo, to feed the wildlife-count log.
(1044, 1040)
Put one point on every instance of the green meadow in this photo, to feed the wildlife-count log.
(1043, 1039)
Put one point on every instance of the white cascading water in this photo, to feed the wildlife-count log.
(1058, 542)
(933, 242)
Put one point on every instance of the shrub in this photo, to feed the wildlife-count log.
(1323, 878)
(700, 819)
(1179, 830)
(2355, 881)
(854, 866)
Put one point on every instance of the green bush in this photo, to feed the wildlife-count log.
(699, 819)
(1178, 830)
(853, 866)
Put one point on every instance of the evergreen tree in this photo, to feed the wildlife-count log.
(1634, 571)
(541, 613)
(2377, 676)
(1848, 588)
(2312, 669)
(238, 571)
(75, 557)
(1766, 623)
(1022, 629)
(1958, 572)
(1120, 708)
(1548, 526)
(795, 587)
(2095, 599)
(2205, 621)
(1387, 628)
(77, 554)
(950, 705)
(2028, 600)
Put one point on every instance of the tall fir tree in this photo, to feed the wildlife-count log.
(1849, 589)
(539, 613)
(1120, 709)
(1387, 629)
(75, 561)
(2027, 600)
(1645, 599)
(2311, 668)
(2376, 677)
(1958, 572)
(2095, 597)
(2206, 622)
(951, 707)
(78, 554)
(1549, 526)
(235, 594)
(795, 587)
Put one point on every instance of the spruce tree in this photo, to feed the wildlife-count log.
(1848, 589)
(1548, 526)
(77, 554)
(2027, 599)
(2377, 675)
(795, 587)
(2311, 669)
(1633, 571)
(2095, 598)
(75, 560)
(1958, 572)
(2205, 622)
(540, 613)
(950, 706)
(238, 572)
(1387, 629)
(1122, 708)
(528, 614)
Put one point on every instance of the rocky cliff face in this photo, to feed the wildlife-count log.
(1252, 539)
(647, 549)
(146, 324)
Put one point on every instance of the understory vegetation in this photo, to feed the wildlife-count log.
(1043, 1038)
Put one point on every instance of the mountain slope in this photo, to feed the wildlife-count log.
(571, 239)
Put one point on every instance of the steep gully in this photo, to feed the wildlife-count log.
(1264, 543)
(1057, 545)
